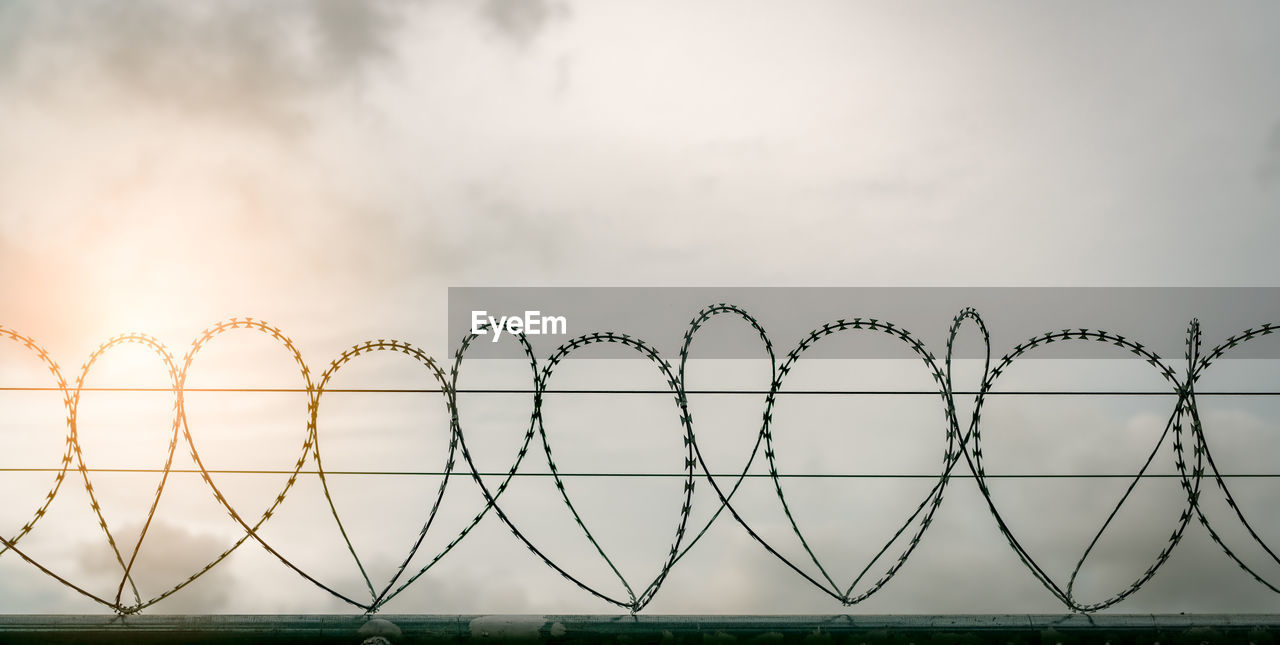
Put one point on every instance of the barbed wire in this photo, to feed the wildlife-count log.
(963, 445)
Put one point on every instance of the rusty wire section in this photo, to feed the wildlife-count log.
(963, 445)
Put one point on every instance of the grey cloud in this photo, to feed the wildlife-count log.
(525, 236)
(1269, 169)
(522, 20)
(194, 52)
(229, 57)
(169, 555)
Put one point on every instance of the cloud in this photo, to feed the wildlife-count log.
(251, 147)
(237, 59)
(522, 20)
(1269, 169)
(169, 555)
(227, 53)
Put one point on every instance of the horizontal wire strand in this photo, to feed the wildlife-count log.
(398, 473)
(667, 392)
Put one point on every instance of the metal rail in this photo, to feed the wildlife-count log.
(668, 630)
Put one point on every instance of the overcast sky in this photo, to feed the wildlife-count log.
(334, 167)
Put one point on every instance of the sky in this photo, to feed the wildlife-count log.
(333, 168)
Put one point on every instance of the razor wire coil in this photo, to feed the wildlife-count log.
(963, 445)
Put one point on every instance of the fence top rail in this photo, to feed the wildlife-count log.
(553, 626)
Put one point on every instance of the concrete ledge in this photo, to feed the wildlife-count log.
(634, 630)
